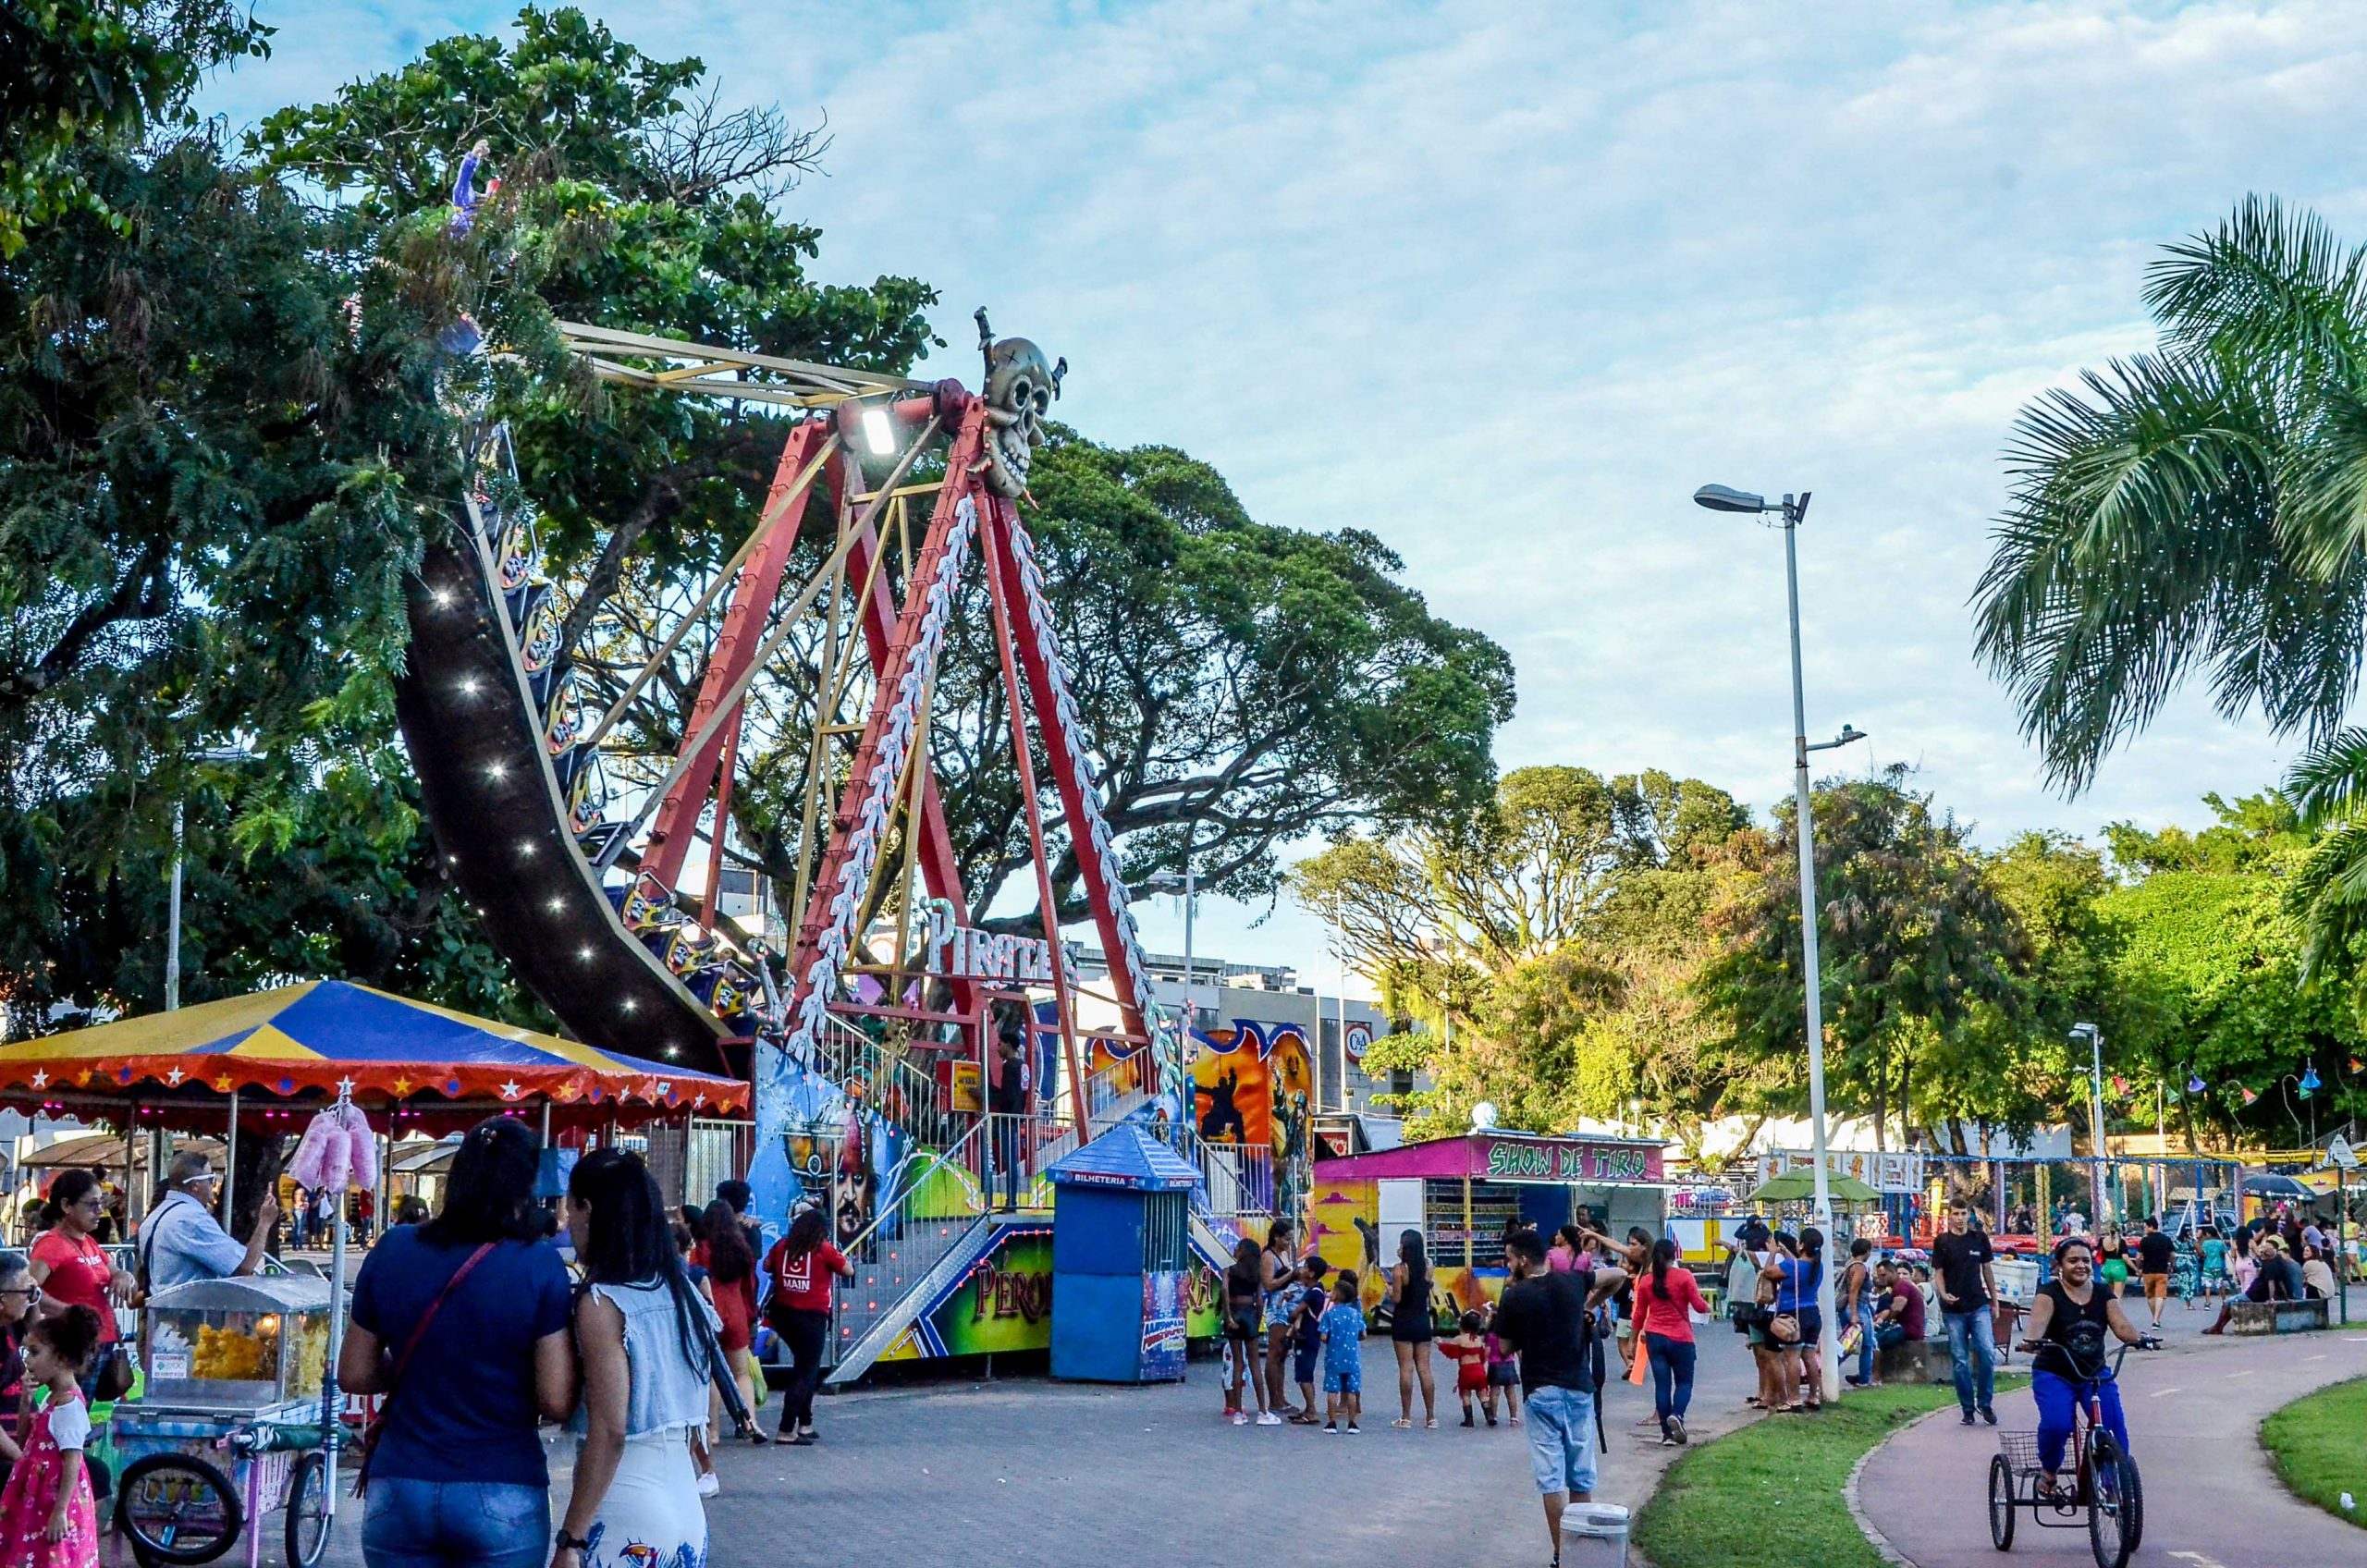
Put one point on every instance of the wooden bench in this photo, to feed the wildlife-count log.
(2277, 1316)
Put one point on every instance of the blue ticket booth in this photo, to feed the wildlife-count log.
(1121, 1259)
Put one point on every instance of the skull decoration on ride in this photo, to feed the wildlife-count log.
(1020, 391)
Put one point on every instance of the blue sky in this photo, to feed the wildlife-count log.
(1505, 282)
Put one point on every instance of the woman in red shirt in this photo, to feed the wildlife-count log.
(731, 1267)
(69, 1264)
(803, 1265)
(1666, 1297)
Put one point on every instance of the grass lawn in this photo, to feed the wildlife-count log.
(1712, 1507)
(2318, 1450)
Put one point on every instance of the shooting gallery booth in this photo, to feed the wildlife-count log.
(1462, 1195)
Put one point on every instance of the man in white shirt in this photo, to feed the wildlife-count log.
(181, 1241)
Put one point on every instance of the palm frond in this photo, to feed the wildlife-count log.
(2328, 782)
(2329, 895)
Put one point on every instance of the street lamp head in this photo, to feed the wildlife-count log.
(1725, 498)
(1162, 882)
(1848, 732)
(2083, 1030)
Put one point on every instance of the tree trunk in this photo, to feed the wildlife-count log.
(261, 1156)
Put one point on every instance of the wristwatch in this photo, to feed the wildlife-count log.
(563, 1541)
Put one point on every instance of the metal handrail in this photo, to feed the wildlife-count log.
(931, 1158)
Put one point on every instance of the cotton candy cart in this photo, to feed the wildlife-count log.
(229, 1426)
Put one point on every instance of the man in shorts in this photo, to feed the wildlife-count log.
(1547, 1319)
(2156, 1256)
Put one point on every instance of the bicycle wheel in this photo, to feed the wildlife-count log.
(309, 1519)
(2132, 1501)
(2108, 1519)
(177, 1511)
(2000, 1503)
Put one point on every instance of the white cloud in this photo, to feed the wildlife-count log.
(1505, 282)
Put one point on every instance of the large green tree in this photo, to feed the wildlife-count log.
(1914, 942)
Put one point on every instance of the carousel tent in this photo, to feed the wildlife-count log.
(307, 1041)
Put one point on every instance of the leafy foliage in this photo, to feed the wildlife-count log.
(2199, 508)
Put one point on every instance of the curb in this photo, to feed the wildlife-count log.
(1874, 1537)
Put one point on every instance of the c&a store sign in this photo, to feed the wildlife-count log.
(1520, 1159)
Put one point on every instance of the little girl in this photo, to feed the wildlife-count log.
(1503, 1372)
(1469, 1353)
(47, 1519)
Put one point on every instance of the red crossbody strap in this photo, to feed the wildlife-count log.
(402, 1358)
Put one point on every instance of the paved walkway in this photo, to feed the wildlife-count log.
(1071, 1476)
(2212, 1500)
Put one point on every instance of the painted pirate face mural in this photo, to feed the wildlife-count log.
(1020, 390)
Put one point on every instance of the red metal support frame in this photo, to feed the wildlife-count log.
(752, 600)
(1036, 655)
(990, 549)
(889, 668)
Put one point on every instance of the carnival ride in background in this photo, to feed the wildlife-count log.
(851, 1036)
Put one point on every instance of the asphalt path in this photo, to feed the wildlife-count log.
(2211, 1498)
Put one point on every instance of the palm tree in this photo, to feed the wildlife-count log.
(2201, 508)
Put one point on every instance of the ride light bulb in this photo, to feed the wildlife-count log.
(879, 435)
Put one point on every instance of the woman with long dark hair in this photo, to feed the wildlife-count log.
(803, 1265)
(1411, 1329)
(1666, 1297)
(1277, 1270)
(69, 1264)
(462, 1323)
(647, 1341)
(730, 1265)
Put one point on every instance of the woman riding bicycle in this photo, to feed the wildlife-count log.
(2070, 1318)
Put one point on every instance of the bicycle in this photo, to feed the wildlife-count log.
(2106, 1489)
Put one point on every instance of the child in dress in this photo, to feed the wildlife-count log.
(1343, 1374)
(47, 1519)
(1503, 1372)
(1469, 1353)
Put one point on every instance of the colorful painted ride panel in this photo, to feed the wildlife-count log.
(1002, 1304)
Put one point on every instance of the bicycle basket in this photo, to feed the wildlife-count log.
(2020, 1450)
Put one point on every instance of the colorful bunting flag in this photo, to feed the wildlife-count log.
(2248, 1095)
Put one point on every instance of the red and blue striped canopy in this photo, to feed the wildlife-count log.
(322, 1036)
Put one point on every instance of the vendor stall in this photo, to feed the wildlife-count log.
(1464, 1193)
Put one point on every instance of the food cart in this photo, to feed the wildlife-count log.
(227, 1425)
(1463, 1193)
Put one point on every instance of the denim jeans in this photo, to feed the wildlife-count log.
(1006, 1142)
(1560, 1440)
(1866, 1338)
(455, 1524)
(1672, 1375)
(1972, 1345)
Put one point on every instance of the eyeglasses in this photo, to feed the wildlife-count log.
(31, 1292)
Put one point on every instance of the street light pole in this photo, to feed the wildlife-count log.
(173, 901)
(2095, 1116)
(1718, 497)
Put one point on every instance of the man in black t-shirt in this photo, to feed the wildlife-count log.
(1962, 1261)
(1548, 1320)
(2155, 1254)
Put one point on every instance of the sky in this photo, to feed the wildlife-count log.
(1503, 283)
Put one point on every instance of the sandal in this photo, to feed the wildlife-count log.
(1431, 1424)
(1403, 1425)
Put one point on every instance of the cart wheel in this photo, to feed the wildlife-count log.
(2000, 1503)
(177, 1511)
(308, 1511)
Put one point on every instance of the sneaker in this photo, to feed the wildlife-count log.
(1352, 1428)
(1492, 1418)
(1241, 1418)
(1853, 1380)
(1989, 1416)
(1330, 1428)
(1268, 1418)
(1967, 1418)
(1676, 1430)
(1468, 1421)
(709, 1485)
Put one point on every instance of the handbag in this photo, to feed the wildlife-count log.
(1785, 1329)
(370, 1436)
